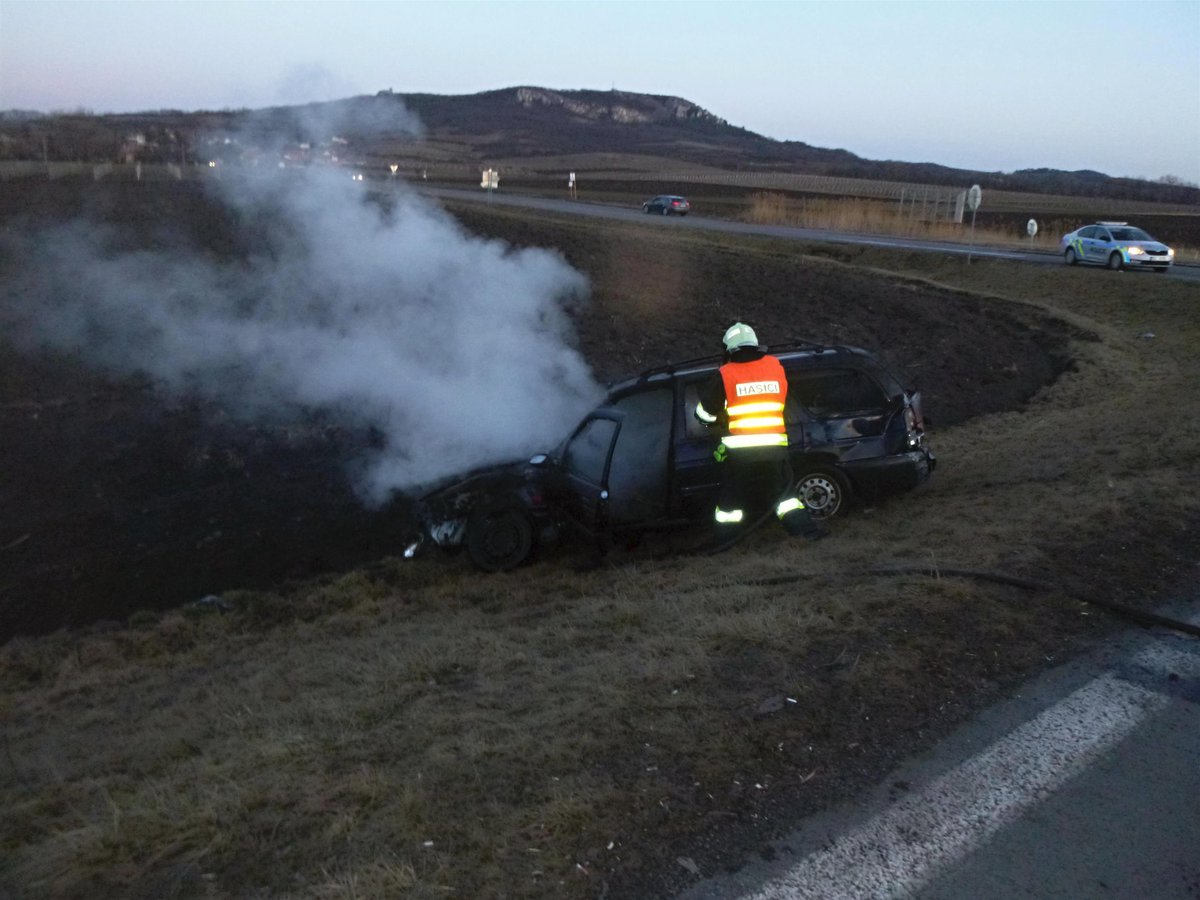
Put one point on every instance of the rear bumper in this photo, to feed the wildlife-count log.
(890, 474)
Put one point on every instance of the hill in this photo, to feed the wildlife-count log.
(516, 123)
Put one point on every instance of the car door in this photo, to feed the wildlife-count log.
(638, 472)
(586, 457)
(697, 474)
(1101, 245)
(1087, 244)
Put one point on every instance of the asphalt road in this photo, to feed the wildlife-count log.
(1082, 785)
(619, 213)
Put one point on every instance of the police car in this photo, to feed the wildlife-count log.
(641, 461)
(1117, 245)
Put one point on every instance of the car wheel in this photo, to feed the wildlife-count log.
(1070, 257)
(499, 539)
(1115, 262)
(825, 491)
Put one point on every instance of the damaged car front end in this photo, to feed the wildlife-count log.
(498, 513)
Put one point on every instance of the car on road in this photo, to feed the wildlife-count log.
(641, 461)
(667, 205)
(1117, 245)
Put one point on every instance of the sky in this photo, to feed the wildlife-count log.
(989, 86)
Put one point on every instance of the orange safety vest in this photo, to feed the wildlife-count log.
(754, 396)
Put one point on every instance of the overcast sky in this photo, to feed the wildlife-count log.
(991, 86)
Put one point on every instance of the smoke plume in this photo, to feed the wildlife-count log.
(456, 350)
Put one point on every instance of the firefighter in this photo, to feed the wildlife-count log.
(745, 399)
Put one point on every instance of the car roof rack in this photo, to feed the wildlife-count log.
(792, 346)
(800, 344)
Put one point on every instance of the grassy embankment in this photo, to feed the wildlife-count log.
(413, 729)
(880, 217)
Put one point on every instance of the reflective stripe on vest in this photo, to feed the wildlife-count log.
(754, 397)
(725, 518)
(737, 441)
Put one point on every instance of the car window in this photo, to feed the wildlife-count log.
(637, 479)
(836, 393)
(1102, 235)
(1089, 232)
(1131, 234)
(587, 452)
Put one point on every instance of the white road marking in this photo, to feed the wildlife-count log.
(903, 848)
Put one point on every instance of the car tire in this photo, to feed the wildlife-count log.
(1115, 262)
(499, 539)
(646, 208)
(1070, 257)
(824, 491)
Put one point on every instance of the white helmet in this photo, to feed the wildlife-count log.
(739, 335)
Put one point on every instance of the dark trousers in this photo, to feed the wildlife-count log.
(752, 485)
(754, 481)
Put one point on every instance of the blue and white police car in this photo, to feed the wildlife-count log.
(1117, 245)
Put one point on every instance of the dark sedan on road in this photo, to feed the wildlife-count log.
(667, 205)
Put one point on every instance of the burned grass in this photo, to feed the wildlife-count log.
(413, 729)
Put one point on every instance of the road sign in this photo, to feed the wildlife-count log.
(974, 195)
(491, 179)
(1031, 228)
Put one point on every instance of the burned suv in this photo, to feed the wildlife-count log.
(641, 461)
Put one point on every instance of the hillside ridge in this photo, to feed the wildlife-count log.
(527, 122)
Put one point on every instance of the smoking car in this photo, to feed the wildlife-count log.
(641, 461)
(1117, 245)
(667, 204)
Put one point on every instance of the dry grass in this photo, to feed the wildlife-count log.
(416, 730)
(914, 221)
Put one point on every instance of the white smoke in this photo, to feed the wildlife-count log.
(456, 349)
